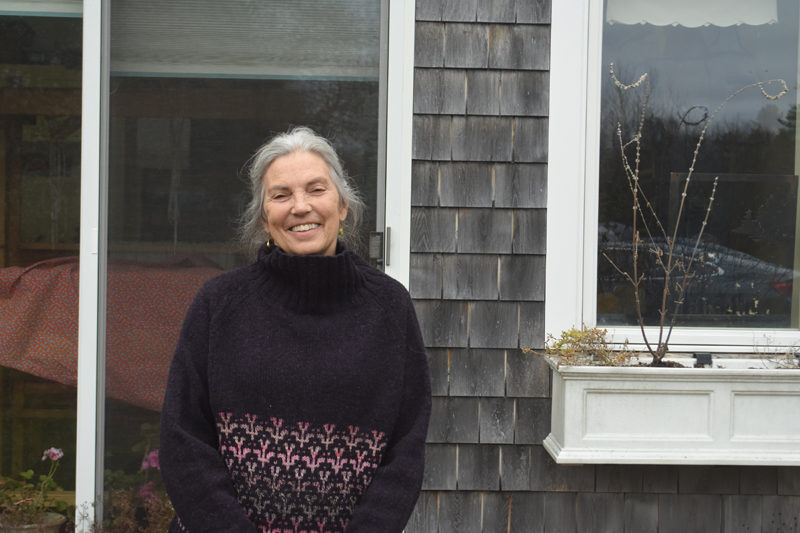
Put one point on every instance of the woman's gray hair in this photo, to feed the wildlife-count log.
(252, 232)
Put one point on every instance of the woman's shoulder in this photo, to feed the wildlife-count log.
(384, 287)
(229, 284)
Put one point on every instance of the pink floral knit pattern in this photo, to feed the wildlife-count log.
(297, 477)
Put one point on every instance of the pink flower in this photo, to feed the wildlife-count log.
(54, 454)
(151, 461)
(146, 491)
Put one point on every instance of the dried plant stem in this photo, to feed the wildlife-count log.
(670, 302)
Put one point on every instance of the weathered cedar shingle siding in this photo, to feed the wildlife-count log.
(479, 192)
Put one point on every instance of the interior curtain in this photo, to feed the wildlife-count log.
(692, 13)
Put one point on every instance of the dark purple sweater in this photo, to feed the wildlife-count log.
(298, 400)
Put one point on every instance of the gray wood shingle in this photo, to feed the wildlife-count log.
(528, 375)
(428, 10)
(460, 511)
(431, 139)
(532, 423)
(485, 230)
(443, 322)
(477, 373)
(441, 91)
(483, 92)
(525, 93)
(519, 46)
(459, 10)
(482, 139)
(531, 325)
(741, 513)
(530, 140)
(548, 476)
(441, 466)
(424, 184)
(425, 276)
(660, 478)
(758, 480)
(708, 479)
(496, 11)
(428, 44)
(789, 480)
(478, 467)
(438, 361)
(465, 184)
(496, 420)
(433, 230)
(520, 185)
(425, 517)
(493, 324)
(522, 277)
(689, 513)
(454, 420)
(526, 513)
(495, 512)
(641, 512)
(466, 46)
(619, 478)
(600, 513)
(533, 11)
(469, 277)
(515, 468)
(529, 231)
(559, 512)
(779, 514)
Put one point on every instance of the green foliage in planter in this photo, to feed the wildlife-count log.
(586, 346)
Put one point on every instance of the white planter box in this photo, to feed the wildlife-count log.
(730, 416)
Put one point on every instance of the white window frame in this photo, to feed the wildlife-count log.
(573, 165)
(91, 320)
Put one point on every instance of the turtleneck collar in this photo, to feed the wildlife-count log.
(313, 284)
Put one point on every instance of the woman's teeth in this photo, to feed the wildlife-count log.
(304, 227)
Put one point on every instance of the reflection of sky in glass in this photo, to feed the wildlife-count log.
(702, 66)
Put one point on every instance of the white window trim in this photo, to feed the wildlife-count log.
(572, 192)
(91, 320)
(399, 119)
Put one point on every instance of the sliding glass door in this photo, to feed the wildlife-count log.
(195, 87)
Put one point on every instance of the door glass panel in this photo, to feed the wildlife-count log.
(40, 133)
(196, 87)
(696, 56)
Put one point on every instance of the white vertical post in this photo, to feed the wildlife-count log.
(91, 306)
(399, 119)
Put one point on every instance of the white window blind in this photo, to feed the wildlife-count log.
(242, 38)
(41, 7)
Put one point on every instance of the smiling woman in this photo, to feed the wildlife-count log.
(299, 396)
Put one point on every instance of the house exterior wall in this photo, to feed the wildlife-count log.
(479, 189)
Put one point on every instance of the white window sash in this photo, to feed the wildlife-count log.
(572, 195)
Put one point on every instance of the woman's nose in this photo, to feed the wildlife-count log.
(300, 204)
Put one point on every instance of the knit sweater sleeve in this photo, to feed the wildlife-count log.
(195, 475)
(390, 498)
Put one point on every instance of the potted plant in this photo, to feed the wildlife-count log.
(25, 503)
(611, 405)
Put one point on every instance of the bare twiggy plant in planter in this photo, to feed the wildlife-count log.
(608, 409)
(650, 235)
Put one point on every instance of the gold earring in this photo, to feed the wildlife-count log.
(341, 231)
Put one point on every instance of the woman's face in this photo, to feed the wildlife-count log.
(302, 205)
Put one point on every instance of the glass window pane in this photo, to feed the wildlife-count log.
(695, 58)
(40, 133)
(196, 87)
